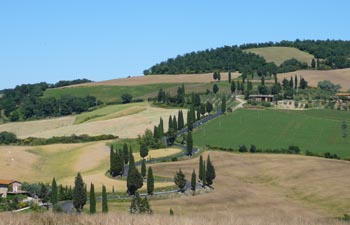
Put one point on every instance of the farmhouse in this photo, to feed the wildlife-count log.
(344, 96)
(10, 187)
(261, 98)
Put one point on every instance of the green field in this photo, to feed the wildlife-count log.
(109, 112)
(280, 54)
(108, 94)
(314, 130)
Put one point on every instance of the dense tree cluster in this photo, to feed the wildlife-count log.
(206, 171)
(166, 98)
(79, 193)
(139, 205)
(134, 179)
(116, 160)
(63, 83)
(26, 102)
(330, 54)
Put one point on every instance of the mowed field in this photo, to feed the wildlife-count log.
(314, 130)
(340, 76)
(63, 161)
(280, 54)
(159, 79)
(125, 121)
(261, 189)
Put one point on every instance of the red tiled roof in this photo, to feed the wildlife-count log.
(7, 182)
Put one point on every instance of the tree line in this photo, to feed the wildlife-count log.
(26, 102)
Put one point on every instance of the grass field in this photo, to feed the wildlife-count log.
(280, 54)
(341, 76)
(63, 161)
(261, 187)
(130, 121)
(160, 79)
(108, 94)
(315, 130)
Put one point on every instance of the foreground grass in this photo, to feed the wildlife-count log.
(125, 218)
(314, 130)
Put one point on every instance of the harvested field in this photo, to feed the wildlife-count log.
(128, 126)
(280, 54)
(341, 76)
(63, 161)
(159, 79)
(264, 186)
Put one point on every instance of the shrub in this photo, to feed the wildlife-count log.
(252, 149)
(242, 148)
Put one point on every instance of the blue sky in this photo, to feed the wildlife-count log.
(99, 40)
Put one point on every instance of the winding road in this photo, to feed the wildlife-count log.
(68, 205)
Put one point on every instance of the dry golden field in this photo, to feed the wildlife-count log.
(341, 76)
(264, 186)
(159, 79)
(128, 123)
(63, 161)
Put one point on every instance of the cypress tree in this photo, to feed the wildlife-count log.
(204, 175)
(104, 200)
(201, 168)
(171, 212)
(54, 197)
(215, 88)
(161, 128)
(229, 76)
(189, 121)
(134, 179)
(193, 181)
(92, 199)
(112, 161)
(150, 181)
(170, 124)
(313, 64)
(175, 123)
(125, 153)
(180, 180)
(193, 114)
(295, 82)
(291, 85)
(179, 125)
(155, 132)
(189, 144)
(210, 174)
(143, 168)
(119, 164)
(143, 150)
(79, 193)
(198, 114)
(219, 76)
(223, 104)
(122, 161)
(238, 86)
(233, 87)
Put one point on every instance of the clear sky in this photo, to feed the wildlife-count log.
(99, 40)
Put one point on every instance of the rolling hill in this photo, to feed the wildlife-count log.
(280, 54)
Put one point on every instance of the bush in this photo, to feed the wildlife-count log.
(293, 149)
(252, 149)
(126, 98)
(7, 138)
(57, 208)
(242, 148)
(174, 159)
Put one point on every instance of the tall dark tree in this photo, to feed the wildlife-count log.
(92, 201)
(180, 180)
(295, 82)
(53, 195)
(262, 80)
(134, 180)
(202, 109)
(219, 76)
(143, 168)
(238, 86)
(215, 88)
(193, 181)
(223, 104)
(119, 162)
(229, 77)
(204, 181)
(210, 172)
(175, 123)
(104, 200)
(189, 144)
(291, 83)
(79, 193)
(150, 181)
(161, 127)
(215, 76)
(233, 87)
(143, 150)
(125, 153)
(189, 120)
(201, 173)
(112, 162)
(209, 107)
(198, 114)
(313, 64)
(180, 120)
(170, 123)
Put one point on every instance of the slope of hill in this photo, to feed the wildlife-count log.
(318, 131)
(341, 76)
(280, 54)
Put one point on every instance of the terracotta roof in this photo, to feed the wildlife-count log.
(7, 182)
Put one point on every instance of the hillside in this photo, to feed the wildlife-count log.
(314, 130)
(341, 76)
(278, 55)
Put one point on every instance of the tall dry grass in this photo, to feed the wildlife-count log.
(117, 218)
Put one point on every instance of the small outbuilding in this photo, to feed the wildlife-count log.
(261, 98)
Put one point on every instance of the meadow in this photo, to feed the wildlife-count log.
(318, 131)
(280, 54)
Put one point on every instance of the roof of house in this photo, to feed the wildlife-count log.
(7, 182)
(261, 96)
